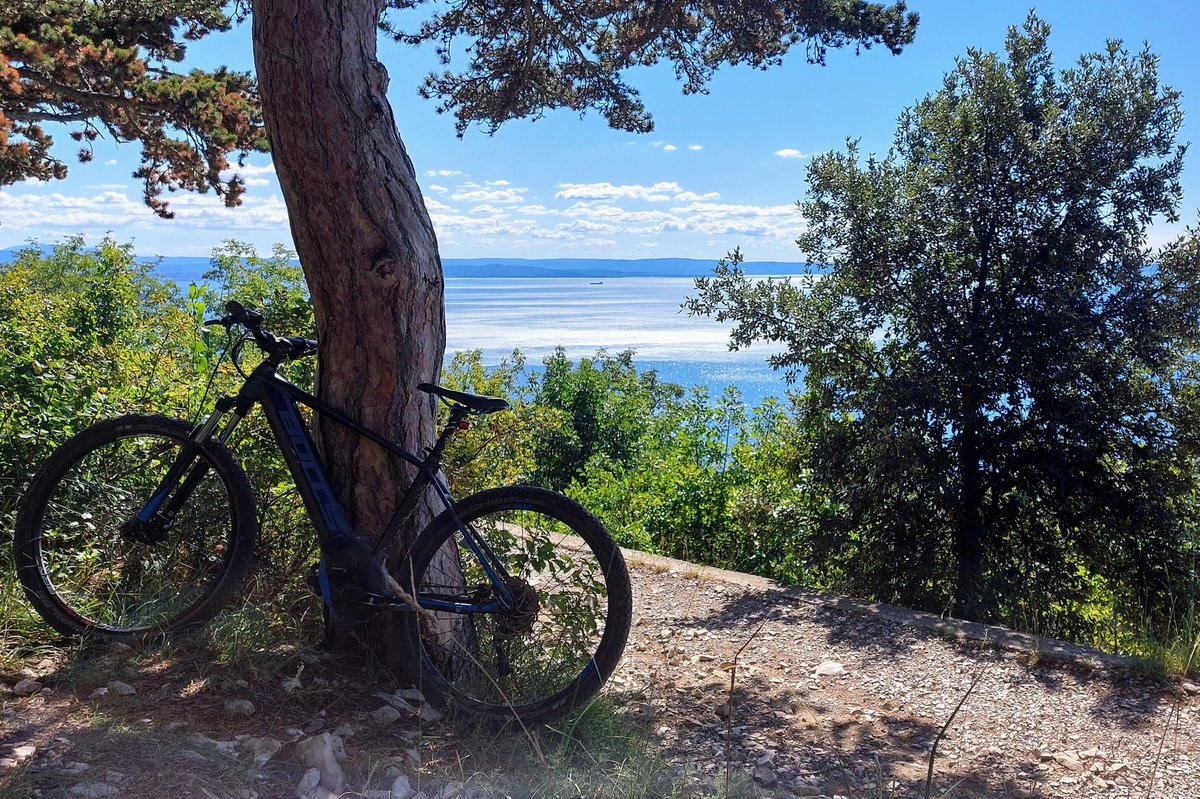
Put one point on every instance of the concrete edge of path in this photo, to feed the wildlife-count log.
(1035, 646)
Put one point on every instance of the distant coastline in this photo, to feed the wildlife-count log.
(183, 269)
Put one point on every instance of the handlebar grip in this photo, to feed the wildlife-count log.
(242, 314)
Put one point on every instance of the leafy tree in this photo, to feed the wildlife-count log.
(358, 220)
(110, 68)
(993, 353)
(359, 224)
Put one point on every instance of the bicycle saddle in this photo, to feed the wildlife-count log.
(477, 403)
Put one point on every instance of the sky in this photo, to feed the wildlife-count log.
(721, 170)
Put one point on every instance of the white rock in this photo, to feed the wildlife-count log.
(830, 668)
(310, 780)
(764, 776)
(344, 731)
(323, 752)
(224, 747)
(428, 714)
(239, 707)
(375, 794)
(122, 688)
(261, 749)
(398, 701)
(74, 767)
(99, 692)
(27, 687)
(93, 790)
(385, 715)
(412, 695)
(7, 763)
(402, 788)
(115, 777)
(290, 684)
(23, 753)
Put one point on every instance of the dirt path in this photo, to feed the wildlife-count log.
(1037, 722)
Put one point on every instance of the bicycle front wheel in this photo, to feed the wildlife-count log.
(86, 563)
(568, 614)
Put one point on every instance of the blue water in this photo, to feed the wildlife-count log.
(583, 315)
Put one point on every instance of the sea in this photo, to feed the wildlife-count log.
(584, 315)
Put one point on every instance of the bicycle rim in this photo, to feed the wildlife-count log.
(557, 645)
(104, 580)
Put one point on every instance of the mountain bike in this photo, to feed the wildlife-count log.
(513, 601)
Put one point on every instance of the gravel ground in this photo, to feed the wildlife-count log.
(831, 697)
(838, 697)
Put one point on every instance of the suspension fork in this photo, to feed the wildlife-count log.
(152, 522)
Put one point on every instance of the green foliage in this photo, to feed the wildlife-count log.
(91, 333)
(666, 470)
(999, 391)
(84, 334)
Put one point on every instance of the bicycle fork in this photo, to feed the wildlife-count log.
(153, 521)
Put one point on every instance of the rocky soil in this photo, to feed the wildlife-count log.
(784, 692)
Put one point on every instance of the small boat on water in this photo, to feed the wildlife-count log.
(596, 283)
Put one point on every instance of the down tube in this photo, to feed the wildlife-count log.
(305, 464)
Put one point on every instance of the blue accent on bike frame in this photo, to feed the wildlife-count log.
(153, 505)
(485, 559)
(297, 434)
(323, 580)
(457, 607)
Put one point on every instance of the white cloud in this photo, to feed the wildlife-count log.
(252, 174)
(691, 196)
(111, 162)
(54, 215)
(480, 195)
(669, 148)
(659, 192)
(442, 173)
(437, 188)
(790, 153)
(251, 169)
(535, 210)
(486, 209)
(695, 146)
(583, 225)
(434, 205)
(497, 183)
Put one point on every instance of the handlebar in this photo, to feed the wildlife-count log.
(277, 348)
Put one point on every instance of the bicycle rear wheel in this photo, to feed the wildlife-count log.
(563, 636)
(86, 569)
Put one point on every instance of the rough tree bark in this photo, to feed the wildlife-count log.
(362, 233)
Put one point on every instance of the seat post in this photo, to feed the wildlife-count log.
(456, 422)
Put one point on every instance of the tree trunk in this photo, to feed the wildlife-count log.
(363, 236)
(969, 528)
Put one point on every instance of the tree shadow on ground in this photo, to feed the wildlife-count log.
(1128, 698)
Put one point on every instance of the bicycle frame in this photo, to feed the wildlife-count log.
(279, 399)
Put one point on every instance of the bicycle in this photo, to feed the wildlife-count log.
(514, 600)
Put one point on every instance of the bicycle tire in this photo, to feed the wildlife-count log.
(85, 577)
(563, 658)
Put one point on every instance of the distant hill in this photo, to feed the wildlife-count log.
(187, 268)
